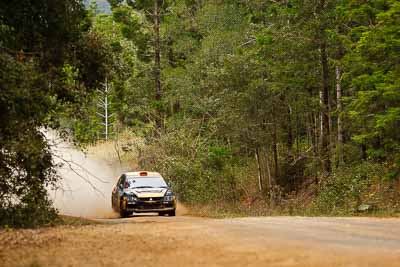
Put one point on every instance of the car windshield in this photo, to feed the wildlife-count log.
(147, 182)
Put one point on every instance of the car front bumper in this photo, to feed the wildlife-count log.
(150, 206)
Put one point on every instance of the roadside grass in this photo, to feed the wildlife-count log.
(238, 210)
(230, 211)
(34, 263)
(60, 220)
(212, 211)
(65, 220)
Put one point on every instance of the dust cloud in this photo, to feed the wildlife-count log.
(86, 184)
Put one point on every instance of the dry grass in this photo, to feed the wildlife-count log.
(75, 221)
(124, 151)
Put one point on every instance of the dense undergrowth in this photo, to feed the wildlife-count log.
(354, 191)
(365, 188)
(222, 186)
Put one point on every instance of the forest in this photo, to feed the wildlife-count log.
(246, 106)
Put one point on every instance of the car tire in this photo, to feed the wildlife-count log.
(161, 213)
(171, 213)
(123, 214)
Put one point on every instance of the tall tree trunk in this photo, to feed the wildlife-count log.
(315, 133)
(310, 130)
(290, 132)
(297, 134)
(275, 151)
(157, 64)
(364, 151)
(270, 182)
(339, 117)
(324, 113)
(260, 180)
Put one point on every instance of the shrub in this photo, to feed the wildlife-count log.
(357, 188)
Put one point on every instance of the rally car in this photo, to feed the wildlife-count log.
(143, 192)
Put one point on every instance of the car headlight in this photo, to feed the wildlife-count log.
(169, 196)
(132, 197)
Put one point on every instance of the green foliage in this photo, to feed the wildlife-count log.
(98, 6)
(70, 75)
(86, 126)
(26, 166)
(112, 57)
(42, 71)
(353, 186)
(35, 210)
(198, 172)
(217, 157)
(375, 79)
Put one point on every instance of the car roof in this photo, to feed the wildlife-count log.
(143, 174)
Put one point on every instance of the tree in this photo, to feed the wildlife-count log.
(153, 11)
(38, 41)
(104, 105)
(374, 78)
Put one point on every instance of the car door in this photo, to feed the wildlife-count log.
(114, 195)
(120, 190)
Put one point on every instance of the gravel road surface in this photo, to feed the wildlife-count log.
(191, 241)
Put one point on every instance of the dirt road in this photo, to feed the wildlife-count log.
(190, 241)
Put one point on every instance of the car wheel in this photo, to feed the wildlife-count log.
(123, 214)
(171, 213)
(161, 213)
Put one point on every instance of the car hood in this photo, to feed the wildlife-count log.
(147, 192)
